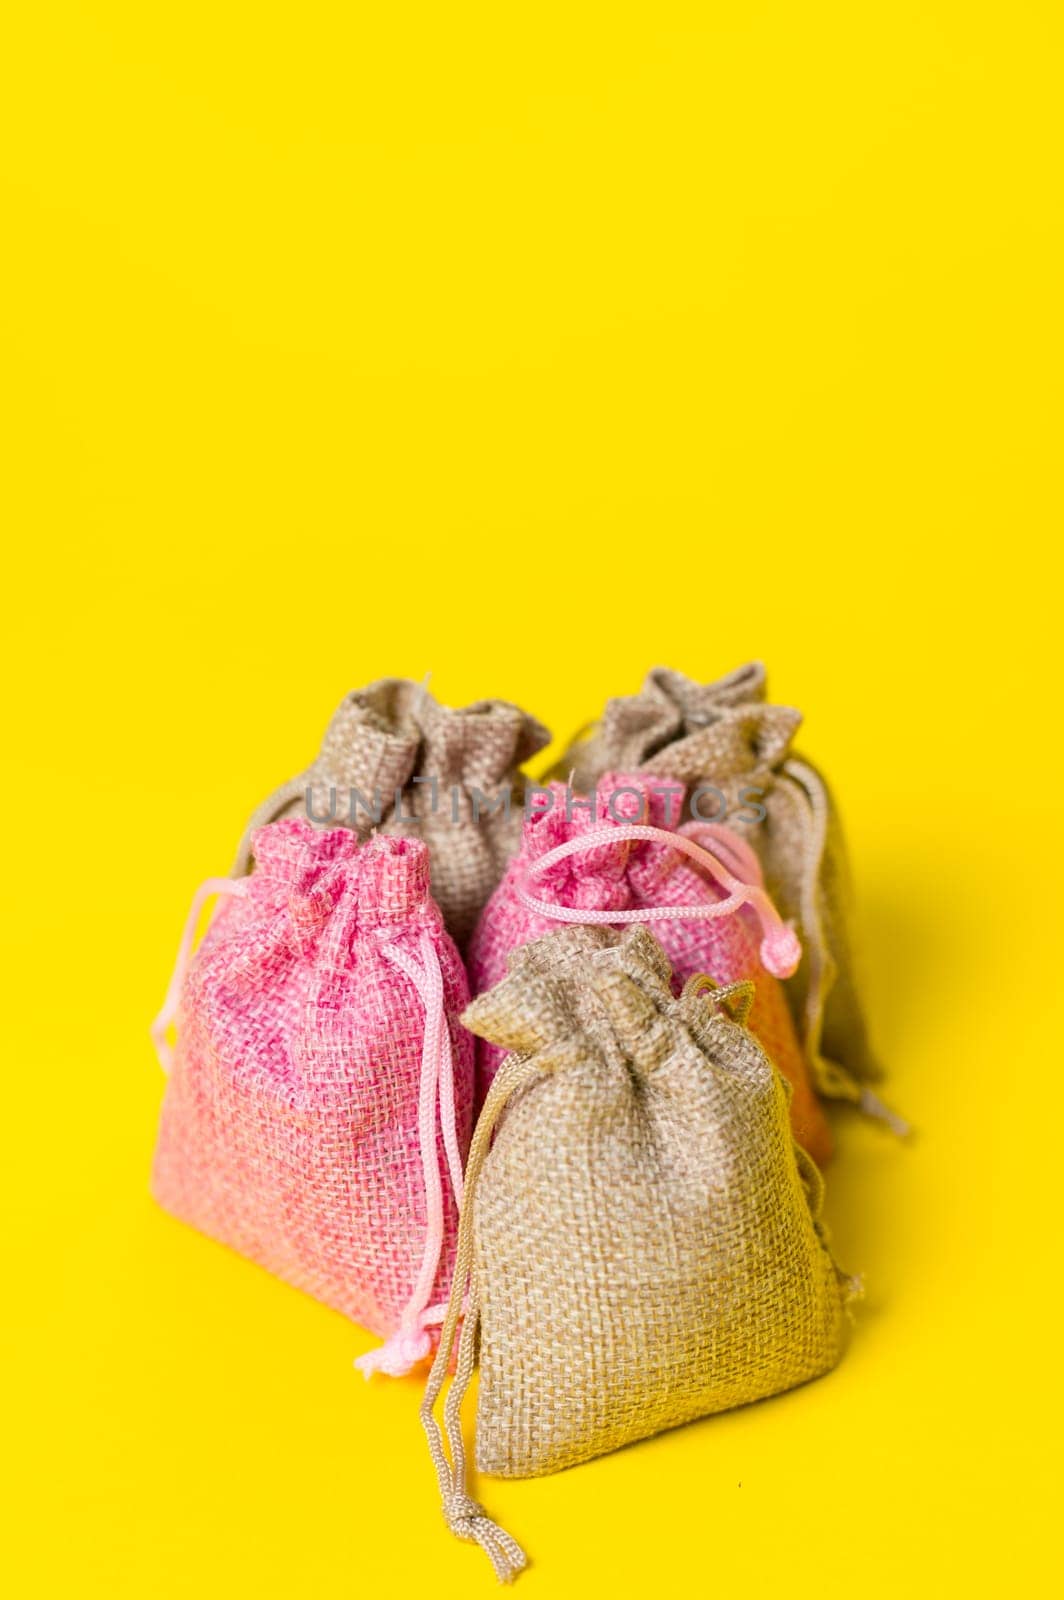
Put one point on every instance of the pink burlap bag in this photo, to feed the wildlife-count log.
(319, 1106)
(618, 861)
(732, 749)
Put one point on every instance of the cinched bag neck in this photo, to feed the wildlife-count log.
(780, 950)
(663, 728)
(745, 685)
(291, 849)
(748, 741)
(371, 744)
(316, 893)
(477, 745)
(381, 738)
(669, 706)
(634, 950)
(560, 989)
(379, 891)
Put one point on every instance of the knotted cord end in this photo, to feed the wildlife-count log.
(874, 1107)
(398, 1355)
(468, 1520)
(781, 951)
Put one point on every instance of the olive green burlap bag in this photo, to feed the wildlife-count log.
(639, 1245)
(733, 750)
(394, 758)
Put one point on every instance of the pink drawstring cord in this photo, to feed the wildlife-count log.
(738, 856)
(412, 1342)
(168, 1015)
(780, 949)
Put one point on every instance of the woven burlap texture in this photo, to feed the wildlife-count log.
(424, 760)
(642, 1238)
(725, 734)
(289, 1128)
(630, 876)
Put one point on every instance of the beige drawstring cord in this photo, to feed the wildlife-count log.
(836, 1080)
(465, 1517)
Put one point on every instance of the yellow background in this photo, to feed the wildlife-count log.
(528, 346)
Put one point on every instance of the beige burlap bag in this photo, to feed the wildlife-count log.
(724, 737)
(393, 757)
(641, 1241)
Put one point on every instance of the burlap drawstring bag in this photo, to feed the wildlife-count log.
(393, 757)
(724, 737)
(615, 860)
(319, 1102)
(640, 1244)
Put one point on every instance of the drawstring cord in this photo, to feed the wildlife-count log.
(168, 1015)
(780, 950)
(738, 856)
(836, 1079)
(464, 1516)
(412, 1342)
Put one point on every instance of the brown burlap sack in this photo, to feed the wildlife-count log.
(393, 757)
(725, 737)
(641, 1241)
